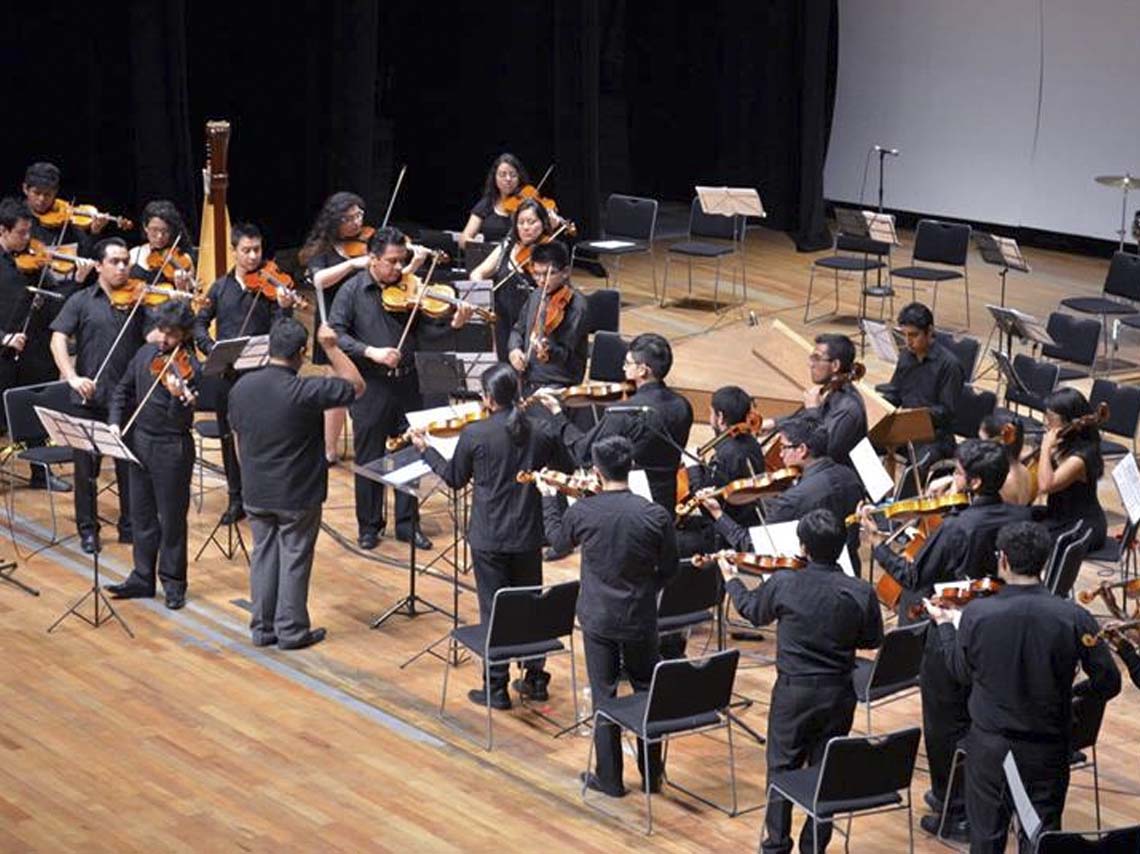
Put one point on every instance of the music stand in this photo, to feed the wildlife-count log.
(452, 374)
(1002, 252)
(735, 202)
(1011, 323)
(222, 357)
(899, 428)
(94, 438)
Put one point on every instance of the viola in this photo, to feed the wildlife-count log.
(354, 247)
(441, 429)
(169, 261)
(572, 485)
(751, 424)
(753, 563)
(837, 381)
(589, 393)
(746, 490)
(269, 280)
(176, 374)
(957, 594)
(81, 216)
(439, 300)
(131, 292)
(158, 294)
(38, 255)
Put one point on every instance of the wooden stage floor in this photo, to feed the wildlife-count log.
(187, 738)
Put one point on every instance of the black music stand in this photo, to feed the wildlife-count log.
(1009, 323)
(94, 438)
(900, 428)
(1002, 252)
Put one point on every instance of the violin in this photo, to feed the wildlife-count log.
(753, 563)
(269, 280)
(556, 309)
(587, 394)
(125, 297)
(751, 424)
(746, 490)
(38, 255)
(439, 300)
(169, 261)
(1114, 634)
(354, 247)
(572, 485)
(176, 374)
(837, 381)
(442, 428)
(957, 594)
(915, 506)
(81, 216)
(153, 295)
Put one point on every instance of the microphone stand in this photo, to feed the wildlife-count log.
(882, 156)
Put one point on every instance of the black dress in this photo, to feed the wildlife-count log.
(495, 226)
(509, 299)
(317, 263)
(1079, 501)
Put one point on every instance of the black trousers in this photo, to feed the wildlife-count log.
(160, 500)
(493, 572)
(1044, 768)
(806, 712)
(606, 660)
(378, 414)
(945, 720)
(87, 468)
(229, 451)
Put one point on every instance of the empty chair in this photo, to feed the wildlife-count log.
(943, 243)
(965, 349)
(1037, 381)
(1122, 282)
(1123, 415)
(711, 236)
(852, 254)
(607, 353)
(631, 221)
(973, 407)
(1077, 341)
(893, 673)
(603, 311)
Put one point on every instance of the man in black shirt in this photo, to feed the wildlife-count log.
(556, 358)
(629, 553)
(106, 338)
(239, 312)
(159, 423)
(375, 339)
(1019, 650)
(824, 616)
(505, 529)
(279, 417)
(40, 188)
(961, 547)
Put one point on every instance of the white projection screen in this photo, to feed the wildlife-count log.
(1003, 110)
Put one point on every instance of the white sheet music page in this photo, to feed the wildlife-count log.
(444, 444)
(781, 540)
(882, 341)
(870, 470)
(1126, 476)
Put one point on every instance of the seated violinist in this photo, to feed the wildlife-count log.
(1069, 465)
(1017, 489)
(161, 226)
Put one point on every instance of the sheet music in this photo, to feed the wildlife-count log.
(1012, 254)
(446, 445)
(881, 227)
(1126, 476)
(611, 244)
(782, 536)
(882, 340)
(639, 484)
(870, 470)
(731, 201)
(254, 355)
(1026, 812)
(409, 472)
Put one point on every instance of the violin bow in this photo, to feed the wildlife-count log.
(150, 391)
(416, 307)
(37, 300)
(395, 193)
(538, 318)
(545, 175)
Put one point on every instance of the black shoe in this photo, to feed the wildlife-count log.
(175, 599)
(422, 542)
(368, 540)
(89, 542)
(265, 640)
(551, 554)
(313, 636)
(499, 698)
(956, 829)
(234, 513)
(129, 590)
(51, 482)
(932, 801)
(591, 781)
(126, 536)
(533, 687)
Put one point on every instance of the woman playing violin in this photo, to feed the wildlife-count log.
(489, 218)
(161, 226)
(1070, 465)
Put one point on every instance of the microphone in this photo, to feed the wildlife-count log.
(619, 408)
(893, 152)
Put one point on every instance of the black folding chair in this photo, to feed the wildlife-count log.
(1077, 341)
(1123, 415)
(630, 220)
(973, 407)
(693, 597)
(1122, 281)
(607, 355)
(853, 254)
(603, 311)
(893, 673)
(711, 237)
(1070, 552)
(942, 243)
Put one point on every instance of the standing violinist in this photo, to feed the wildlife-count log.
(1069, 466)
(161, 226)
(736, 455)
(239, 310)
(156, 397)
(382, 343)
(40, 188)
(106, 338)
(489, 218)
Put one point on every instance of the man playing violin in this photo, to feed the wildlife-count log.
(382, 343)
(153, 403)
(40, 188)
(1017, 652)
(961, 547)
(239, 311)
(824, 616)
(106, 338)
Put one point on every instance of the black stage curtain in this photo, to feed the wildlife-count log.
(620, 95)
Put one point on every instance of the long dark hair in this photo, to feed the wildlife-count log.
(165, 211)
(501, 384)
(1070, 404)
(323, 235)
(490, 188)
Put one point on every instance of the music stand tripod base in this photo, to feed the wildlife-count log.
(234, 541)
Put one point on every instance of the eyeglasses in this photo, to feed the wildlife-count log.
(353, 217)
(816, 357)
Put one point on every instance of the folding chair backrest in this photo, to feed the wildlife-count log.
(606, 357)
(1123, 407)
(23, 424)
(603, 311)
(631, 217)
(689, 591)
(1088, 712)
(1040, 378)
(475, 254)
(965, 350)
(1123, 840)
(864, 766)
(522, 615)
(858, 243)
(973, 407)
(1123, 279)
(941, 242)
(900, 656)
(1070, 564)
(685, 688)
(1059, 545)
(713, 226)
(1077, 338)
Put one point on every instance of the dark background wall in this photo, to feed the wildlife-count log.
(620, 95)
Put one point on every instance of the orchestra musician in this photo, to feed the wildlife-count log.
(1018, 651)
(285, 475)
(1069, 466)
(161, 226)
(823, 617)
(733, 457)
(489, 219)
(505, 531)
(382, 343)
(40, 188)
(1125, 647)
(102, 356)
(159, 434)
(1017, 488)
(238, 311)
(629, 553)
(961, 547)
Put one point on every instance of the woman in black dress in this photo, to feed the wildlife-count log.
(489, 218)
(1070, 466)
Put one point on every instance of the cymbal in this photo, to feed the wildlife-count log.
(1120, 182)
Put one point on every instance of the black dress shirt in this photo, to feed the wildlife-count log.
(824, 617)
(963, 546)
(279, 419)
(844, 417)
(1019, 650)
(567, 343)
(361, 321)
(629, 552)
(506, 516)
(16, 307)
(229, 304)
(89, 316)
(669, 413)
(935, 382)
(162, 414)
(734, 458)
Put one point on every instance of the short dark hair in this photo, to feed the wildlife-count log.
(99, 251)
(653, 351)
(174, 314)
(12, 210)
(822, 535)
(917, 315)
(1026, 545)
(244, 229)
(733, 402)
(806, 430)
(42, 176)
(553, 253)
(985, 460)
(838, 347)
(992, 426)
(286, 338)
(384, 237)
(613, 457)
